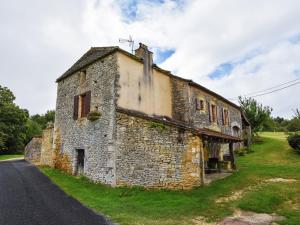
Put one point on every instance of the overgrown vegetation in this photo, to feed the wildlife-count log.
(270, 159)
(294, 142)
(16, 126)
(94, 115)
(159, 126)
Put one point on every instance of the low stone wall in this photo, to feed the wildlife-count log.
(33, 150)
(154, 154)
(47, 147)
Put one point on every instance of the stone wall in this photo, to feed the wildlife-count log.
(95, 137)
(180, 100)
(154, 154)
(47, 147)
(200, 118)
(33, 150)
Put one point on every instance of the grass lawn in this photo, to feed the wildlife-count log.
(11, 156)
(271, 159)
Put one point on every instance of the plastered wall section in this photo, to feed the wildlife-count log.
(137, 92)
(155, 155)
(95, 137)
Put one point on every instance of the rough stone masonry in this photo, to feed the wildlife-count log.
(122, 120)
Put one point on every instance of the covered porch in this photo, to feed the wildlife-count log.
(218, 154)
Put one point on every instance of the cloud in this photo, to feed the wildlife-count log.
(233, 47)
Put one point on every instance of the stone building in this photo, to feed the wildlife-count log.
(122, 120)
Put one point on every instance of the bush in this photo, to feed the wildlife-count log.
(294, 142)
(256, 139)
(94, 115)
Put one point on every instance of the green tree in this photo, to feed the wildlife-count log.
(257, 114)
(44, 119)
(12, 122)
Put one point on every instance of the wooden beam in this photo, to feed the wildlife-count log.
(232, 156)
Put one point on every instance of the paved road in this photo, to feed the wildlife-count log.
(27, 197)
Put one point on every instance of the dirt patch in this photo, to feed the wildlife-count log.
(280, 180)
(234, 196)
(250, 218)
(200, 220)
(239, 194)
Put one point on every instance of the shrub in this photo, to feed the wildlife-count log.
(159, 126)
(294, 142)
(256, 139)
(94, 115)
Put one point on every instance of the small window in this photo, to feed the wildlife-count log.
(199, 104)
(82, 104)
(225, 117)
(213, 113)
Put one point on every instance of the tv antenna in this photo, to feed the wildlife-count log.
(129, 41)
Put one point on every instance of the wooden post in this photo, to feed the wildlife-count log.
(232, 156)
(202, 168)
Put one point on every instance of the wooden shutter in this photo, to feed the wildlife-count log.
(87, 105)
(228, 118)
(209, 112)
(223, 117)
(217, 114)
(76, 105)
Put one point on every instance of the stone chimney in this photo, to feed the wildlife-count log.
(147, 57)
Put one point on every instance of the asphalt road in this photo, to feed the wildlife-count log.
(27, 197)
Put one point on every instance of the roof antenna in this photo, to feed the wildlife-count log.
(130, 41)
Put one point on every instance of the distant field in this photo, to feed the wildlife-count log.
(271, 159)
(10, 156)
(274, 135)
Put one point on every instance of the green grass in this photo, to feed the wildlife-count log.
(11, 156)
(272, 158)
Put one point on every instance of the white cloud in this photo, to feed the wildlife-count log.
(44, 39)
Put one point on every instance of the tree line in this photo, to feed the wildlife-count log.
(261, 119)
(17, 127)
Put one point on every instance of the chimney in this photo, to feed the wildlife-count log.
(147, 57)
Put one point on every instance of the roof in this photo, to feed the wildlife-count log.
(96, 53)
(215, 134)
(89, 57)
(205, 132)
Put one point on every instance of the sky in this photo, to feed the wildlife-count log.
(234, 47)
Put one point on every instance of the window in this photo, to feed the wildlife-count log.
(225, 117)
(213, 113)
(199, 104)
(82, 105)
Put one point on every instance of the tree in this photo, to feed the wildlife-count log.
(44, 119)
(297, 114)
(257, 114)
(12, 122)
